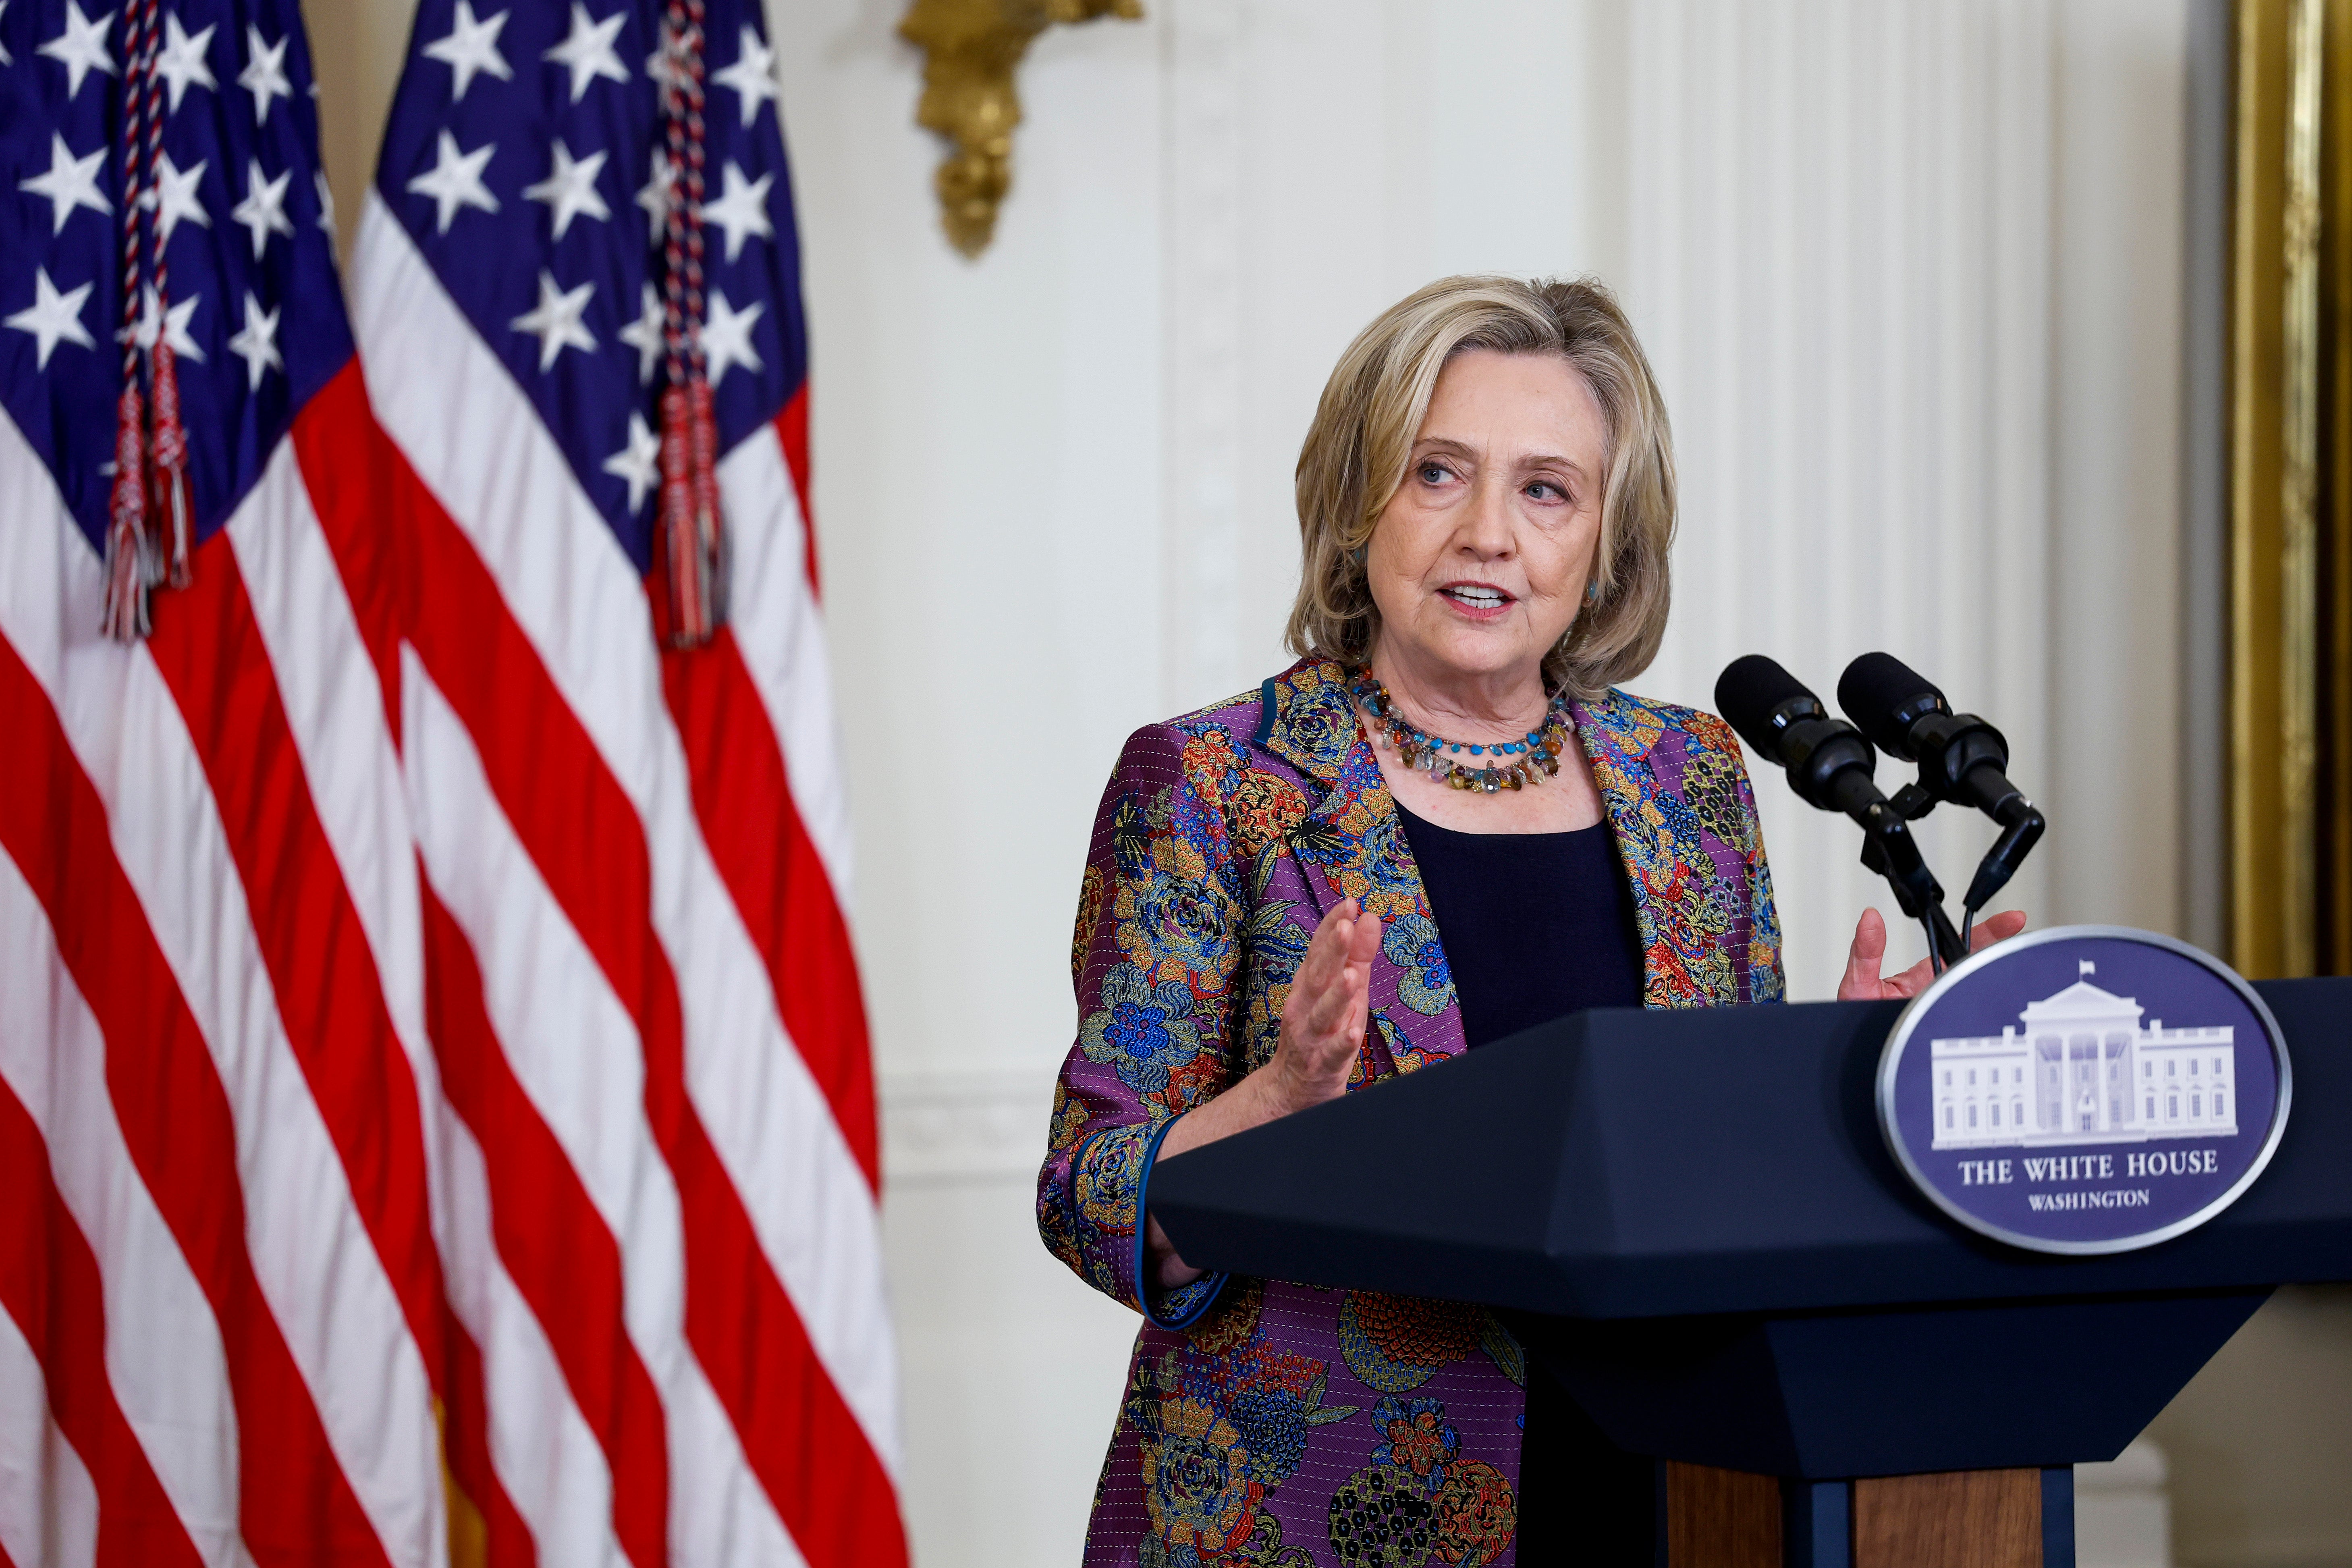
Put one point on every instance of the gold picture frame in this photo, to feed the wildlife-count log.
(2290, 495)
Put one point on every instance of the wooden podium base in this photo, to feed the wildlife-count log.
(1956, 1518)
(1722, 1518)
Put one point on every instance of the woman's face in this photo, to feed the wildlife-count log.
(1479, 562)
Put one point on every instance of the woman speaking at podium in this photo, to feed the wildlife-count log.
(1442, 825)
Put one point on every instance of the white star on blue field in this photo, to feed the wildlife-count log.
(253, 314)
(524, 159)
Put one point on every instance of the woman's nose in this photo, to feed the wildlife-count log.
(1487, 527)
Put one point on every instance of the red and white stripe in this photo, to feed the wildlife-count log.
(641, 997)
(221, 1262)
(428, 1030)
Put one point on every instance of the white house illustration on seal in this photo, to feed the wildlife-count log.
(2084, 1070)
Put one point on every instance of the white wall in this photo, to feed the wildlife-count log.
(2261, 1442)
(1911, 276)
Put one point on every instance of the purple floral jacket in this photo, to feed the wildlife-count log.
(1282, 1424)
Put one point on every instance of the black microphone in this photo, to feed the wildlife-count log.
(1963, 760)
(1828, 761)
(1829, 764)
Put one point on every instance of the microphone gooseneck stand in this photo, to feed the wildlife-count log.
(1889, 848)
(1963, 761)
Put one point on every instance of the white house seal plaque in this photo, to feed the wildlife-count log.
(2085, 1090)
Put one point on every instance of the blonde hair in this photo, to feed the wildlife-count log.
(1371, 414)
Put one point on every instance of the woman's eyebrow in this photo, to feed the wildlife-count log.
(1434, 445)
(1537, 462)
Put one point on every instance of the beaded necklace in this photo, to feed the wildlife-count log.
(1536, 754)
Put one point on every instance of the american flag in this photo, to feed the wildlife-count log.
(436, 1111)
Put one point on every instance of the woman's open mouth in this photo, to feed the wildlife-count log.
(1480, 601)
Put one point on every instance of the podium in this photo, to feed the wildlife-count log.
(1691, 1219)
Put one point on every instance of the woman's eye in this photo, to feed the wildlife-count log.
(1434, 474)
(1543, 489)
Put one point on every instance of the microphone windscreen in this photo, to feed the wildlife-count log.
(1747, 691)
(1875, 690)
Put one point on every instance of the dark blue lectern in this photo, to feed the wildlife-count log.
(1691, 1219)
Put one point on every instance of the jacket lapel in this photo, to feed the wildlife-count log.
(1351, 843)
(1620, 739)
(1309, 721)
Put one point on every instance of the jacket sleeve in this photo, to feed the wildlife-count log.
(1155, 961)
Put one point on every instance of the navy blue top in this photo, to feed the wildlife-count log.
(1536, 926)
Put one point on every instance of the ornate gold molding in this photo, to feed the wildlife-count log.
(972, 48)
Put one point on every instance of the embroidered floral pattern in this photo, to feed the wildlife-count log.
(1090, 907)
(1686, 820)
(1407, 1055)
(1069, 1122)
(1262, 810)
(1362, 848)
(1396, 1342)
(1103, 1181)
(1426, 984)
(1219, 1426)
(1175, 924)
(1420, 1500)
(1197, 1488)
(1379, 1517)
(1264, 1548)
(1420, 1440)
(1477, 1515)
(1222, 839)
(1142, 1031)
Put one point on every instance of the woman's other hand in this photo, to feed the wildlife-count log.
(1863, 981)
(1324, 1019)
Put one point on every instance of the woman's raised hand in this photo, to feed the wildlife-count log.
(1324, 1019)
(1863, 982)
(1322, 1027)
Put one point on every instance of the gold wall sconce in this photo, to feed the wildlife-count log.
(972, 48)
